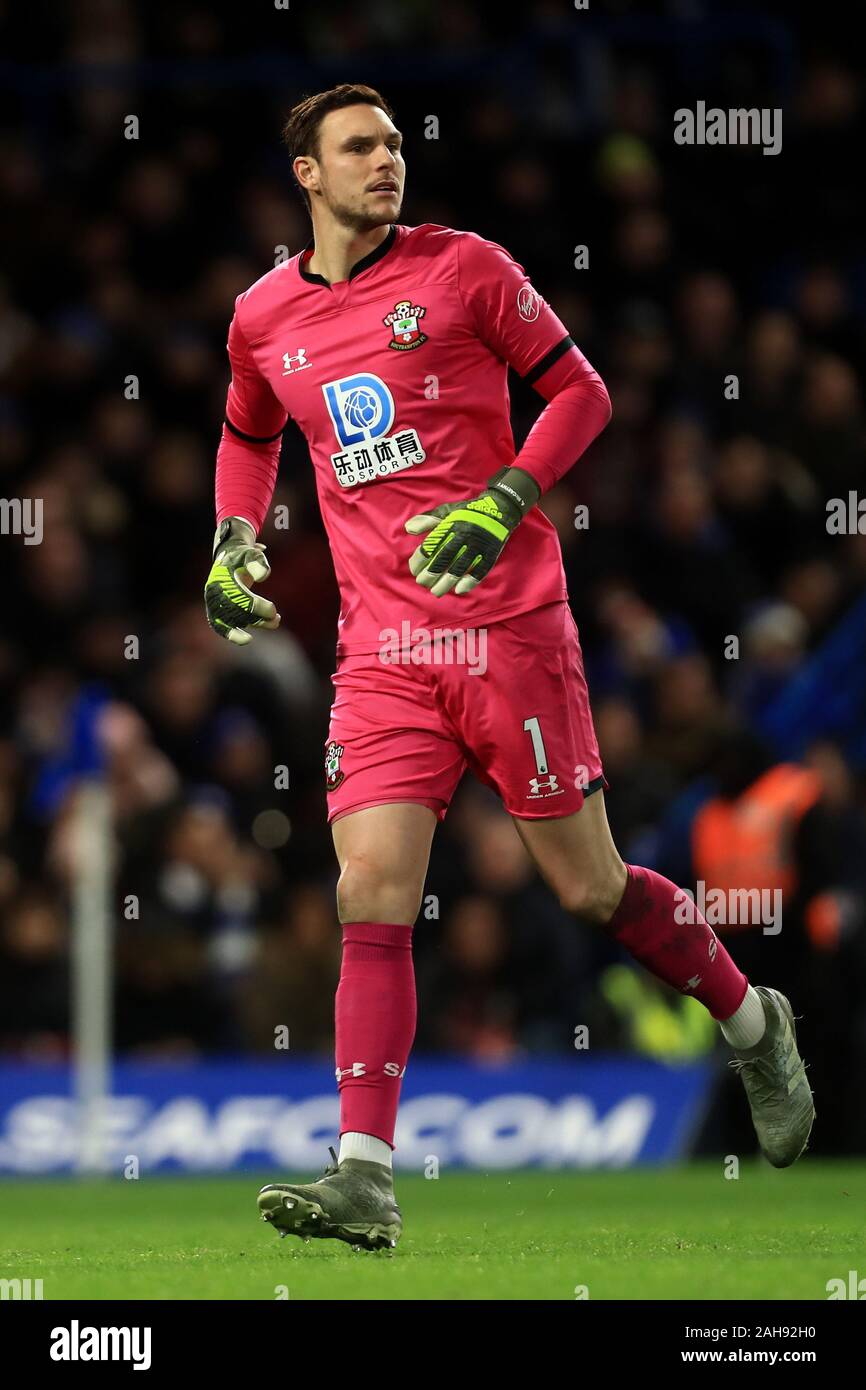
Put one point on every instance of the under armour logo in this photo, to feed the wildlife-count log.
(356, 1069)
(549, 783)
(300, 357)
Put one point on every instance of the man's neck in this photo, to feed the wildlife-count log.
(338, 249)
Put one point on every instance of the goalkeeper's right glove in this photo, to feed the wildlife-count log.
(237, 561)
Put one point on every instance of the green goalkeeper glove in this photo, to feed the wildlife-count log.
(468, 537)
(238, 560)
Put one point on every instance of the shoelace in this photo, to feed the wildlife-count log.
(740, 1063)
(332, 1168)
(762, 1069)
(762, 1065)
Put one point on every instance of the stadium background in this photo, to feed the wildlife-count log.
(707, 516)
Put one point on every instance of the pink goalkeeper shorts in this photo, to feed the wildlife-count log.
(509, 701)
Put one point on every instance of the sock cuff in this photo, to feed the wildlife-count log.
(375, 940)
(626, 905)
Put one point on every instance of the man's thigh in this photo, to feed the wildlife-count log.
(395, 837)
(577, 858)
(384, 853)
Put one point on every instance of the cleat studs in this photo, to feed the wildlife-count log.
(288, 1203)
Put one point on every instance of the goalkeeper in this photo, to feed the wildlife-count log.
(389, 346)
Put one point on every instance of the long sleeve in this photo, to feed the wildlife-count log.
(249, 450)
(577, 411)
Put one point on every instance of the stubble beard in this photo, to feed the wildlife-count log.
(358, 221)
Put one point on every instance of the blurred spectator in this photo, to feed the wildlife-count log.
(34, 979)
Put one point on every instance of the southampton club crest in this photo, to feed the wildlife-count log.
(333, 772)
(403, 323)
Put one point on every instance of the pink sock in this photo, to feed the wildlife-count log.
(375, 1025)
(684, 953)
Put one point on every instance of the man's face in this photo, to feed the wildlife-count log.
(360, 173)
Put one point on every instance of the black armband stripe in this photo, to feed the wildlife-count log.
(253, 438)
(548, 360)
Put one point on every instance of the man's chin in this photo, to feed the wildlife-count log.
(367, 220)
(382, 219)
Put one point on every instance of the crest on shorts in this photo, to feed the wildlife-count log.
(403, 322)
(333, 772)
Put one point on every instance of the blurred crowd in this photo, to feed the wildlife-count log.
(723, 299)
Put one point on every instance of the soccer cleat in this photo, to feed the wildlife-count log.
(774, 1076)
(353, 1201)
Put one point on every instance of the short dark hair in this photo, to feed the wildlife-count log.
(301, 131)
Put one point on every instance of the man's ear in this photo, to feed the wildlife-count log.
(309, 167)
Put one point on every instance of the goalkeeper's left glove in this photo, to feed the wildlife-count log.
(468, 537)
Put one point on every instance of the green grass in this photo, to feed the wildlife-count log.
(669, 1233)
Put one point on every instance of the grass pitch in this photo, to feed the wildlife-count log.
(685, 1232)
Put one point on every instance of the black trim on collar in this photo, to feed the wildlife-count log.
(548, 360)
(253, 438)
(375, 255)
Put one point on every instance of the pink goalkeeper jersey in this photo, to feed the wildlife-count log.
(397, 378)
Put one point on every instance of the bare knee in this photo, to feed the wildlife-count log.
(594, 897)
(371, 892)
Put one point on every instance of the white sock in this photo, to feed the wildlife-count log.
(366, 1146)
(747, 1026)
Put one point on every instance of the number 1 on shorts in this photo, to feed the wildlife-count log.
(534, 728)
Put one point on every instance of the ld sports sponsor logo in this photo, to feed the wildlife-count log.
(362, 413)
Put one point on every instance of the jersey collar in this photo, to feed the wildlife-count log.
(375, 255)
